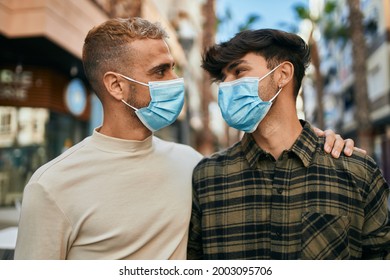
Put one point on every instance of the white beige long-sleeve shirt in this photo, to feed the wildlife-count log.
(108, 198)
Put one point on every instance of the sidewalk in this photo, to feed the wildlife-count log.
(9, 217)
(8, 242)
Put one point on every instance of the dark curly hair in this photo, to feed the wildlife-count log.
(274, 45)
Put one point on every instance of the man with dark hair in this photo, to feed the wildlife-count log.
(276, 194)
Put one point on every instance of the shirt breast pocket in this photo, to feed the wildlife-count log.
(324, 237)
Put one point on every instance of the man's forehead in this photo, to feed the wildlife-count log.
(152, 52)
(149, 47)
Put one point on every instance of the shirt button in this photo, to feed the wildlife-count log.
(280, 190)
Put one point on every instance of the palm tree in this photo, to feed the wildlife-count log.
(304, 13)
(359, 50)
(205, 139)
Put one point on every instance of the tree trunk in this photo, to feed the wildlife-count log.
(319, 81)
(205, 140)
(359, 53)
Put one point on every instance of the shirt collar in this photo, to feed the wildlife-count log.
(304, 147)
(251, 151)
(117, 145)
(306, 144)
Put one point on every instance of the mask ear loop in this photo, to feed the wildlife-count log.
(269, 73)
(276, 95)
(135, 81)
(132, 107)
(132, 80)
(280, 88)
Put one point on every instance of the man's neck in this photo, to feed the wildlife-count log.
(125, 131)
(275, 136)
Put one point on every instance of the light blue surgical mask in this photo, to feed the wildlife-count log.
(240, 104)
(167, 100)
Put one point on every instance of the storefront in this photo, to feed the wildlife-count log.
(42, 112)
(45, 102)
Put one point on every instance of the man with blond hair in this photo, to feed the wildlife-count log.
(121, 193)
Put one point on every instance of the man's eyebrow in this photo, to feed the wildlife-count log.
(160, 67)
(234, 64)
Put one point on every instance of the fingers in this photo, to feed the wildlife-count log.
(318, 131)
(330, 138)
(334, 143)
(359, 150)
(338, 146)
(349, 147)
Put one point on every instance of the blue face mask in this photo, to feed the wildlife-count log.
(240, 104)
(167, 99)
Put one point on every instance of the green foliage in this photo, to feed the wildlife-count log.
(333, 31)
(226, 20)
(249, 22)
(330, 7)
(302, 11)
(228, 14)
(227, 17)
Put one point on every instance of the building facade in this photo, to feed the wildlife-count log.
(337, 69)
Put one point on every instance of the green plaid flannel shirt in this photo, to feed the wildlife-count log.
(305, 205)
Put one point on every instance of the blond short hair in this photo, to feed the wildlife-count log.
(106, 46)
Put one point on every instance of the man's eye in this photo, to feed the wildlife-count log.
(160, 72)
(238, 71)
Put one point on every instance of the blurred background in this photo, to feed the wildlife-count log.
(47, 105)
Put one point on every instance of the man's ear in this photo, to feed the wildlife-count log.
(114, 85)
(286, 73)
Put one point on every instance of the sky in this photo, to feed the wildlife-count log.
(272, 13)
